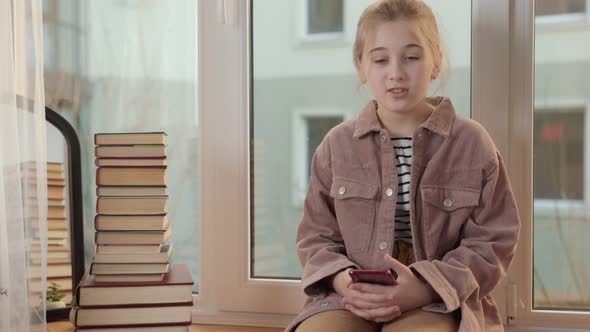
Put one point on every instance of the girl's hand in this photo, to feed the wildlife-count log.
(377, 307)
(410, 292)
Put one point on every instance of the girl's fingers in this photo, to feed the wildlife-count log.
(379, 315)
(394, 313)
(377, 298)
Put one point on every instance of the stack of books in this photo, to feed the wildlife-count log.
(59, 268)
(163, 306)
(131, 285)
(131, 212)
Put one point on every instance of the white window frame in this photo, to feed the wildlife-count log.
(302, 19)
(519, 126)
(300, 169)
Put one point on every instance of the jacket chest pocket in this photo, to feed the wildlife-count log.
(445, 211)
(354, 205)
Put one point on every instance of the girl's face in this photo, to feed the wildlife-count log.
(397, 66)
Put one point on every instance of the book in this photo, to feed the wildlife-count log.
(53, 224)
(144, 316)
(131, 205)
(122, 161)
(128, 278)
(53, 257)
(62, 243)
(55, 234)
(55, 202)
(128, 268)
(130, 138)
(53, 270)
(131, 191)
(55, 192)
(131, 176)
(130, 151)
(56, 212)
(132, 237)
(52, 182)
(135, 257)
(159, 328)
(55, 167)
(126, 247)
(175, 287)
(127, 223)
(52, 260)
(52, 254)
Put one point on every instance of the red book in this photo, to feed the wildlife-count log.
(175, 288)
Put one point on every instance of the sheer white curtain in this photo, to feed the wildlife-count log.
(23, 188)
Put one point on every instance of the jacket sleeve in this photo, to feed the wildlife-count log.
(320, 246)
(488, 241)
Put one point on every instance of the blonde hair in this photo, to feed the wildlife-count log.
(384, 11)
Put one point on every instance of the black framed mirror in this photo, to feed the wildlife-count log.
(68, 174)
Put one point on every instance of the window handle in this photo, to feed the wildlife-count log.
(227, 11)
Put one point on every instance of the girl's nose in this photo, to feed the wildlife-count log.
(396, 72)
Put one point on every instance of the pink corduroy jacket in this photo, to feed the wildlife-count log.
(464, 219)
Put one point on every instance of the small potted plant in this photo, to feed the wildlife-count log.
(54, 296)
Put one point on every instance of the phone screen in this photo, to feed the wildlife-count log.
(381, 277)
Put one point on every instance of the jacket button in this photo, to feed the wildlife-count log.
(384, 138)
(383, 245)
(389, 192)
(448, 203)
(342, 190)
(324, 304)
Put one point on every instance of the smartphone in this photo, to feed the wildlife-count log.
(381, 277)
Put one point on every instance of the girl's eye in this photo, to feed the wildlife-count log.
(412, 58)
(380, 60)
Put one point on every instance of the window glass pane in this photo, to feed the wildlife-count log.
(561, 264)
(131, 66)
(556, 7)
(317, 127)
(288, 84)
(559, 166)
(324, 16)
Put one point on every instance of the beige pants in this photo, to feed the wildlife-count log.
(346, 321)
(416, 320)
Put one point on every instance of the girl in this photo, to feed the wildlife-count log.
(407, 185)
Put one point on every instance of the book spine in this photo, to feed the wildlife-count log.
(140, 305)
(82, 328)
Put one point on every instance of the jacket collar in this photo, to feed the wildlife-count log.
(439, 121)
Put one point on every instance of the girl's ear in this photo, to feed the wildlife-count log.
(359, 71)
(434, 74)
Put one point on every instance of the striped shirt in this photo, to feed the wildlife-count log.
(403, 158)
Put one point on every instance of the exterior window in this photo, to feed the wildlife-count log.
(310, 129)
(324, 16)
(561, 7)
(559, 165)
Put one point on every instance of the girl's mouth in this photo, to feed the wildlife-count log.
(398, 92)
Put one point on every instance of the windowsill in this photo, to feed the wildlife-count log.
(512, 328)
(562, 23)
